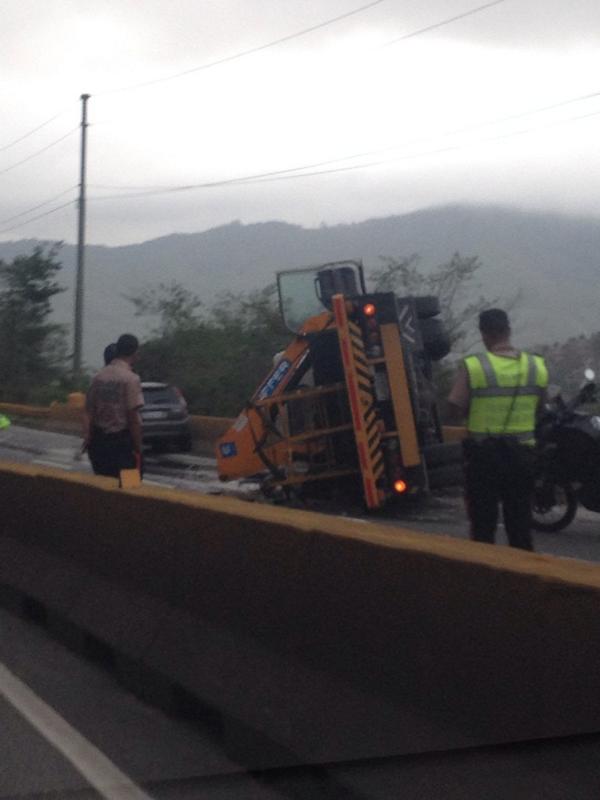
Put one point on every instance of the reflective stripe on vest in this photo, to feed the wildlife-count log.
(504, 394)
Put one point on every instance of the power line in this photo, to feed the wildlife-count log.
(412, 156)
(243, 53)
(39, 216)
(137, 191)
(39, 205)
(442, 23)
(297, 34)
(32, 131)
(39, 152)
(289, 175)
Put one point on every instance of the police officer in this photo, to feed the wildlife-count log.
(500, 392)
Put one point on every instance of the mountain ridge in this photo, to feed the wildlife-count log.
(552, 258)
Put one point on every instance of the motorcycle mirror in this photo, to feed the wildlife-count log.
(589, 374)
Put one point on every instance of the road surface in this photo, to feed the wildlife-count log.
(72, 733)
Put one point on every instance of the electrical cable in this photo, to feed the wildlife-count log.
(286, 174)
(411, 156)
(39, 152)
(243, 53)
(39, 216)
(39, 205)
(141, 190)
(32, 131)
(444, 22)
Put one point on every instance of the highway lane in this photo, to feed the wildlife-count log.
(163, 756)
(442, 514)
(166, 758)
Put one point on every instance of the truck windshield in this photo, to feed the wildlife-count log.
(299, 293)
(298, 297)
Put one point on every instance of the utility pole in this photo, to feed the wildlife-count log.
(78, 326)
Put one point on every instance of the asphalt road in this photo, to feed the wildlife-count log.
(96, 740)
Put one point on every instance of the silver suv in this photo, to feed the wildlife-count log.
(165, 418)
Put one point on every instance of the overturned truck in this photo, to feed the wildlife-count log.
(349, 408)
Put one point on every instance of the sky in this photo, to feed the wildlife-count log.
(397, 107)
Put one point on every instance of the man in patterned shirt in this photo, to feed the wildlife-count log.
(113, 429)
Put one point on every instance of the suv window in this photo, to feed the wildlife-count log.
(161, 396)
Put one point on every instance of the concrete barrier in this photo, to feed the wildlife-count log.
(67, 418)
(205, 430)
(22, 410)
(326, 638)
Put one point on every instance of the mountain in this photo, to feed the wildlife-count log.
(552, 259)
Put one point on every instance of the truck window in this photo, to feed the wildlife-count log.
(298, 298)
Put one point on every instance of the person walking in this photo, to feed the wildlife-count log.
(112, 425)
(499, 392)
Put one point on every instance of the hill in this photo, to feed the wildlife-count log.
(553, 259)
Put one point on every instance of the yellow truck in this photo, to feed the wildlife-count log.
(349, 408)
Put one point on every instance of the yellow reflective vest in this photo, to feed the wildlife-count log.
(504, 394)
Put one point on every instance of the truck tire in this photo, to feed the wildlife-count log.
(436, 342)
(427, 306)
(441, 454)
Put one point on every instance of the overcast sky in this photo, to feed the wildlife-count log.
(445, 116)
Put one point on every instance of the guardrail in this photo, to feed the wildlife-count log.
(205, 430)
(323, 638)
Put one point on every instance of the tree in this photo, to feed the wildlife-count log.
(33, 349)
(216, 356)
(174, 307)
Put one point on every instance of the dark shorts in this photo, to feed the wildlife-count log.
(109, 453)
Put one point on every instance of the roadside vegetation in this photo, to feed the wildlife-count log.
(33, 352)
(218, 354)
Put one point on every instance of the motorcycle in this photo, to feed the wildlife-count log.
(567, 461)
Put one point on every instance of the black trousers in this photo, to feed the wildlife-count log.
(498, 471)
(109, 453)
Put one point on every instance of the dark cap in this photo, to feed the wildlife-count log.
(494, 322)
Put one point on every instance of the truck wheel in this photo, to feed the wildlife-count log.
(427, 306)
(436, 342)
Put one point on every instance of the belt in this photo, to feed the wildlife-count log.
(96, 431)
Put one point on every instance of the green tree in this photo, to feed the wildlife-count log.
(173, 307)
(217, 357)
(33, 349)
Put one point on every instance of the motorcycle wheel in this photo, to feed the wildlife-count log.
(554, 507)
